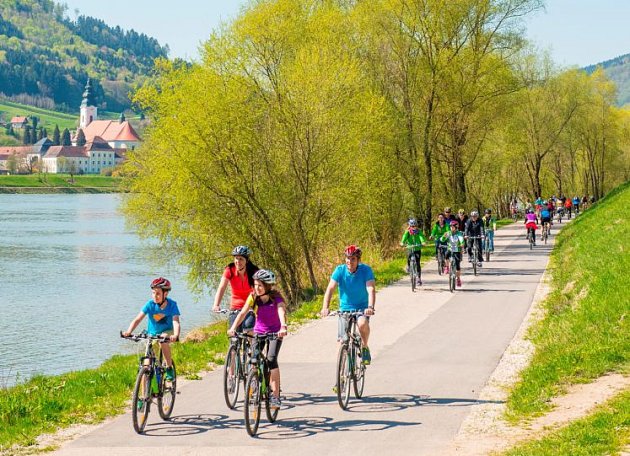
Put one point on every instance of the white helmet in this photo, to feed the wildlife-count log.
(265, 276)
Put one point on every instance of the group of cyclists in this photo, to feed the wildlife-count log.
(454, 234)
(562, 206)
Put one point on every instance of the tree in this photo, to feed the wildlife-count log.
(26, 139)
(12, 164)
(81, 138)
(56, 136)
(62, 164)
(65, 138)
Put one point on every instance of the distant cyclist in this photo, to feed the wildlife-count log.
(357, 291)
(448, 215)
(462, 219)
(489, 224)
(474, 228)
(440, 227)
(531, 224)
(455, 243)
(576, 204)
(545, 218)
(413, 237)
(568, 206)
(240, 276)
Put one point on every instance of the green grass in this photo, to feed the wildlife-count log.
(585, 332)
(606, 431)
(46, 403)
(58, 180)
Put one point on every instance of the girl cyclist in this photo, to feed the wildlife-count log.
(413, 237)
(454, 240)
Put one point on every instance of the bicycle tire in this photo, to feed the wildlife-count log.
(231, 380)
(168, 393)
(487, 252)
(358, 377)
(252, 402)
(343, 378)
(141, 400)
(452, 278)
(440, 262)
(412, 274)
(475, 256)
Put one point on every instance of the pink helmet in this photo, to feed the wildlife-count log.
(454, 223)
(352, 251)
(162, 283)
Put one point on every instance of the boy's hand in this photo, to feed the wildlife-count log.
(173, 338)
(125, 334)
(324, 312)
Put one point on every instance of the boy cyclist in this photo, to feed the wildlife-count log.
(454, 240)
(413, 237)
(163, 319)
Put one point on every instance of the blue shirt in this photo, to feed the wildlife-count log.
(545, 213)
(353, 294)
(160, 320)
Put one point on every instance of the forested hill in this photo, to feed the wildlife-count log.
(618, 71)
(46, 57)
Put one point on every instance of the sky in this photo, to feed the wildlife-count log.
(576, 32)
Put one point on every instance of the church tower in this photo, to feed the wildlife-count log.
(88, 106)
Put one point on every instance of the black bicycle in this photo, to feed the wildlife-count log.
(545, 231)
(235, 366)
(441, 258)
(151, 383)
(475, 252)
(414, 274)
(531, 238)
(350, 367)
(452, 273)
(257, 386)
(559, 213)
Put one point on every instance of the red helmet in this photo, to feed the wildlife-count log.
(352, 251)
(162, 283)
(454, 223)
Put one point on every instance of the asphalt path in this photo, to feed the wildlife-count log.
(432, 353)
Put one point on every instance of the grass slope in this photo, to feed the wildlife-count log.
(58, 180)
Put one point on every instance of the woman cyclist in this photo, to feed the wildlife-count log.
(439, 228)
(531, 224)
(271, 317)
(240, 276)
(413, 237)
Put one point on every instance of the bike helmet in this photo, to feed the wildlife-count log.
(352, 251)
(242, 250)
(265, 276)
(461, 211)
(488, 211)
(474, 214)
(162, 283)
(413, 222)
(454, 223)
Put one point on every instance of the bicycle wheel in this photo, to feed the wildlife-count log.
(475, 257)
(412, 274)
(531, 242)
(141, 400)
(231, 380)
(452, 277)
(487, 250)
(272, 415)
(252, 402)
(166, 400)
(358, 378)
(546, 235)
(440, 262)
(343, 377)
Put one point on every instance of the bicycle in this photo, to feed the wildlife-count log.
(257, 387)
(441, 258)
(151, 383)
(486, 248)
(545, 231)
(559, 213)
(475, 252)
(414, 274)
(234, 367)
(452, 273)
(350, 367)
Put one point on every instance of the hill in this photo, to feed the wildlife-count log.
(46, 58)
(618, 71)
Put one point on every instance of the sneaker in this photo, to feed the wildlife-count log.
(365, 356)
(479, 264)
(470, 259)
(275, 403)
(170, 374)
(459, 282)
(445, 270)
(419, 283)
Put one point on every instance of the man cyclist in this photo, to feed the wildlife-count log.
(448, 215)
(413, 237)
(357, 291)
(568, 206)
(474, 228)
(576, 204)
(489, 224)
(545, 218)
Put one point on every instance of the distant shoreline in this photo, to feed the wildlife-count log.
(49, 190)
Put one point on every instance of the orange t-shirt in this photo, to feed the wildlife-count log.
(240, 287)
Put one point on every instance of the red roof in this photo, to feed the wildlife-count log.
(17, 150)
(19, 119)
(66, 151)
(111, 130)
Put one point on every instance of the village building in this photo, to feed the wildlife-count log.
(19, 122)
(91, 158)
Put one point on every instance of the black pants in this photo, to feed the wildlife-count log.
(479, 249)
(273, 348)
(415, 256)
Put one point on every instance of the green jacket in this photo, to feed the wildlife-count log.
(438, 231)
(413, 239)
(455, 242)
(491, 224)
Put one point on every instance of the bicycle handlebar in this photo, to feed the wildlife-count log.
(143, 335)
(356, 313)
(225, 311)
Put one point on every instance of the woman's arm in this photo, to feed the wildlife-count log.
(240, 317)
(219, 295)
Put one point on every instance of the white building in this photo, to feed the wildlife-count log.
(89, 159)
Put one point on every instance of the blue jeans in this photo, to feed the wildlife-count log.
(490, 240)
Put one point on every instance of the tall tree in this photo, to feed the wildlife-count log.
(26, 139)
(65, 138)
(56, 136)
(81, 138)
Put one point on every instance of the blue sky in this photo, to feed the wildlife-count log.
(577, 32)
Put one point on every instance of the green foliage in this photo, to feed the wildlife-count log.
(65, 138)
(585, 332)
(58, 180)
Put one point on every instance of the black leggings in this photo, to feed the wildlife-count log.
(273, 348)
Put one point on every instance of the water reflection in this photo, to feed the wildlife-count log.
(70, 268)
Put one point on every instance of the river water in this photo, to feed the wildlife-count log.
(71, 276)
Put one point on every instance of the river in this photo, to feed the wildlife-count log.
(71, 276)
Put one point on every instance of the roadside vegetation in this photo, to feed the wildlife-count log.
(586, 329)
(46, 181)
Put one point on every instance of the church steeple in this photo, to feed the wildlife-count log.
(88, 106)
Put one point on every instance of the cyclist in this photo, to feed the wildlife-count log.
(413, 236)
(489, 224)
(357, 291)
(560, 205)
(440, 227)
(271, 317)
(474, 227)
(462, 218)
(240, 276)
(545, 218)
(163, 319)
(531, 224)
(568, 205)
(448, 216)
(576, 204)
(538, 204)
(454, 240)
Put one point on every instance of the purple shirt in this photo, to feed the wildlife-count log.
(267, 318)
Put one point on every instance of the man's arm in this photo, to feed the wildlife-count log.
(371, 288)
(330, 289)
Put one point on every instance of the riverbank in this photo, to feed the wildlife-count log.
(58, 183)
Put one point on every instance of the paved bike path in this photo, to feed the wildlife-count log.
(432, 352)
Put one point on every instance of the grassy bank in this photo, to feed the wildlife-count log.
(57, 183)
(585, 332)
